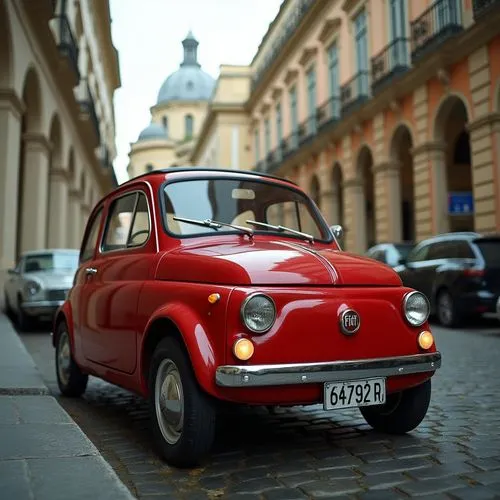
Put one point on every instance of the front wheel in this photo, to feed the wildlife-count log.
(182, 415)
(71, 380)
(402, 412)
(447, 311)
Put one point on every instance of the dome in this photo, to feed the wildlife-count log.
(152, 131)
(189, 82)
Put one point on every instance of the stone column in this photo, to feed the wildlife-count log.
(484, 142)
(35, 192)
(388, 216)
(58, 208)
(74, 220)
(355, 216)
(11, 110)
(430, 188)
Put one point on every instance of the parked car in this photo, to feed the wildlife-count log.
(458, 272)
(39, 284)
(230, 287)
(391, 254)
(498, 308)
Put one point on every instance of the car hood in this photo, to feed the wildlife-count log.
(272, 263)
(51, 280)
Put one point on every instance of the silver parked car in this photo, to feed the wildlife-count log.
(39, 284)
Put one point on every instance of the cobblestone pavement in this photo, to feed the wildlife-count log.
(308, 453)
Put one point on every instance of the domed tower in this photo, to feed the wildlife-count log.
(179, 112)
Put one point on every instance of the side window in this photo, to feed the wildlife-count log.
(89, 245)
(443, 250)
(127, 226)
(419, 254)
(464, 250)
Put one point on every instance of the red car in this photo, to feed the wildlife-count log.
(198, 285)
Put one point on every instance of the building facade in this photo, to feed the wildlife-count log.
(387, 112)
(176, 118)
(58, 73)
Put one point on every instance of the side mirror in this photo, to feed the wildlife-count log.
(337, 231)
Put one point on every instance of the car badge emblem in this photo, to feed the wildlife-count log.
(349, 322)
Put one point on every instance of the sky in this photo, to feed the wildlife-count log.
(148, 35)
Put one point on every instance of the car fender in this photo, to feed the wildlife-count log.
(64, 312)
(196, 340)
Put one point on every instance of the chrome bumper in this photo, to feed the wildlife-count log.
(335, 371)
(41, 307)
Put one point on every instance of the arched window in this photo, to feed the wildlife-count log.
(165, 124)
(189, 124)
(149, 167)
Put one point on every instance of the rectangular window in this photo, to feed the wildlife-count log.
(267, 138)
(294, 115)
(334, 80)
(399, 49)
(311, 100)
(279, 124)
(257, 145)
(361, 46)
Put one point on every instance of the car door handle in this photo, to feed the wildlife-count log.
(90, 270)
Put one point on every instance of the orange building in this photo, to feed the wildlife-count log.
(386, 111)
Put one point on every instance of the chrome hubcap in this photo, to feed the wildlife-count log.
(169, 401)
(64, 358)
(445, 308)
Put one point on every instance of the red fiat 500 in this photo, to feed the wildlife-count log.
(202, 285)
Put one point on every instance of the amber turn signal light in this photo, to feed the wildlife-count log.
(243, 349)
(214, 298)
(425, 339)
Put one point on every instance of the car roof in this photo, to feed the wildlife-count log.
(30, 253)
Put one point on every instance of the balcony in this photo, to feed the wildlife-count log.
(391, 62)
(329, 112)
(482, 7)
(67, 45)
(355, 92)
(437, 24)
(307, 130)
(87, 107)
(288, 29)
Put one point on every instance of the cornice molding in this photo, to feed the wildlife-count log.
(307, 55)
(33, 140)
(59, 173)
(330, 26)
(429, 147)
(10, 100)
(387, 166)
(490, 119)
(276, 92)
(290, 75)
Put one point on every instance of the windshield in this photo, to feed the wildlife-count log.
(234, 201)
(51, 261)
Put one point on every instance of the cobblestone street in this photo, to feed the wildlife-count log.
(308, 453)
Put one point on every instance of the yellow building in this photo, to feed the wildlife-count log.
(176, 118)
(387, 112)
(58, 73)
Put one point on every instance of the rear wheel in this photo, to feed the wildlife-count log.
(402, 412)
(447, 312)
(71, 380)
(182, 415)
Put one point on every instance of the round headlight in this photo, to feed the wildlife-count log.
(31, 287)
(416, 308)
(258, 313)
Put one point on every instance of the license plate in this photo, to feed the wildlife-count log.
(354, 393)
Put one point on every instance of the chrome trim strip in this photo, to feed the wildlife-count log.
(335, 371)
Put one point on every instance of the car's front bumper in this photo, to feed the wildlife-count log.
(41, 307)
(314, 373)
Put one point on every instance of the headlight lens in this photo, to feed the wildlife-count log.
(31, 287)
(258, 313)
(416, 308)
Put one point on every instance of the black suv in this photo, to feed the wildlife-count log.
(458, 272)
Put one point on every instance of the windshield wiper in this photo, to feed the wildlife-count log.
(282, 229)
(214, 224)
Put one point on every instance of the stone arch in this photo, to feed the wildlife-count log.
(453, 180)
(365, 205)
(32, 98)
(6, 46)
(403, 216)
(314, 190)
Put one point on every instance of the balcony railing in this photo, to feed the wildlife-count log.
(87, 106)
(355, 91)
(436, 25)
(328, 112)
(482, 7)
(288, 29)
(392, 61)
(307, 129)
(67, 44)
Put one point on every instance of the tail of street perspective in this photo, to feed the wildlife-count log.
(257, 261)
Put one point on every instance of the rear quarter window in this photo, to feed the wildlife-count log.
(490, 250)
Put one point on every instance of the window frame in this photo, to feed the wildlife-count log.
(138, 192)
(98, 213)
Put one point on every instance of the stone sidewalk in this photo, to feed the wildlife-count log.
(43, 453)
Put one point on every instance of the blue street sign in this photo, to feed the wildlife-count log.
(460, 203)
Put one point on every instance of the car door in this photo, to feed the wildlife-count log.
(122, 264)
